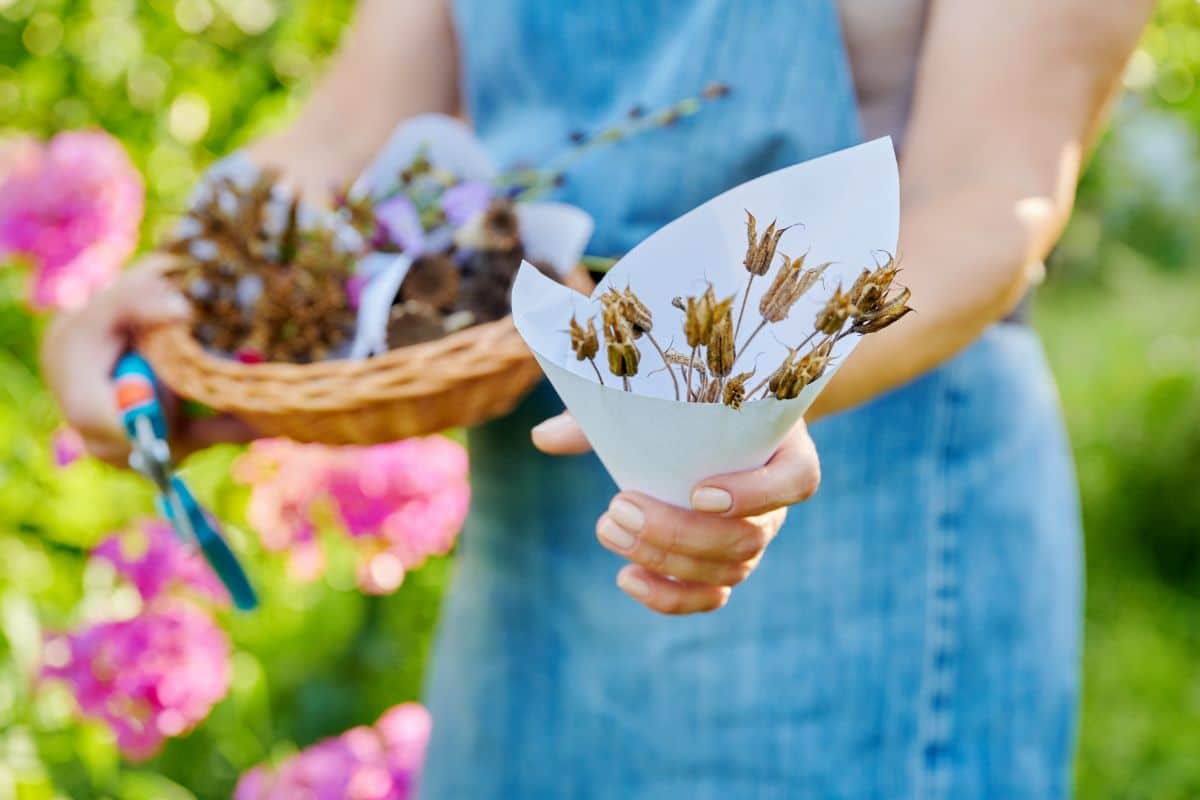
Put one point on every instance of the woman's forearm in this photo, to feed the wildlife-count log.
(1009, 97)
(398, 59)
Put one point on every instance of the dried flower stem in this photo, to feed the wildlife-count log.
(688, 380)
(742, 311)
(599, 377)
(666, 363)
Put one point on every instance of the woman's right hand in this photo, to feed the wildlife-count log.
(81, 349)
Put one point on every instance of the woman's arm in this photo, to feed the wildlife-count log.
(397, 60)
(1010, 95)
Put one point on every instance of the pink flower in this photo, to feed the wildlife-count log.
(379, 763)
(155, 561)
(73, 207)
(399, 503)
(68, 446)
(148, 678)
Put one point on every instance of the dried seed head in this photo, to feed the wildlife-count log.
(702, 315)
(871, 289)
(760, 252)
(836, 311)
(616, 327)
(889, 313)
(721, 347)
(684, 360)
(781, 372)
(433, 280)
(803, 372)
(735, 390)
(636, 312)
(584, 341)
(791, 283)
(623, 358)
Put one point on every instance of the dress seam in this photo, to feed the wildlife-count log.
(935, 715)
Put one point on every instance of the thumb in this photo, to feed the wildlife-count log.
(560, 436)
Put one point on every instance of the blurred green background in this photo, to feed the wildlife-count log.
(182, 81)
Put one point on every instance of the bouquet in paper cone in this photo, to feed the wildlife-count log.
(699, 350)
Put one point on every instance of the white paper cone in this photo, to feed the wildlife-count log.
(848, 203)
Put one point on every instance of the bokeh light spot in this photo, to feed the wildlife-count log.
(1140, 71)
(43, 34)
(193, 16)
(187, 120)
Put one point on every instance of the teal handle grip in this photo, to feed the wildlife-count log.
(214, 547)
(137, 395)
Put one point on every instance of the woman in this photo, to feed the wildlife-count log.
(914, 629)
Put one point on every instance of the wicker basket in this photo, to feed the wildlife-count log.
(459, 380)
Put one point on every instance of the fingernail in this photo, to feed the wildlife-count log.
(553, 426)
(627, 515)
(710, 498)
(633, 584)
(614, 534)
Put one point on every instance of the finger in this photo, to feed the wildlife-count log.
(675, 565)
(109, 450)
(143, 297)
(77, 362)
(560, 436)
(667, 596)
(639, 521)
(791, 476)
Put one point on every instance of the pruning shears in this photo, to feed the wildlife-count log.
(144, 421)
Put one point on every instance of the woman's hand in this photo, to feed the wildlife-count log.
(685, 561)
(81, 349)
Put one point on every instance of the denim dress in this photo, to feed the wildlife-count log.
(914, 629)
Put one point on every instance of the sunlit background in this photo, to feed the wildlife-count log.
(179, 83)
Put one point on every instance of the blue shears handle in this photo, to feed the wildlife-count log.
(142, 415)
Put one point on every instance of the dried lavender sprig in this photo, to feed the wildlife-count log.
(547, 178)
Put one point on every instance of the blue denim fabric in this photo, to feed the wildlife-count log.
(913, 631)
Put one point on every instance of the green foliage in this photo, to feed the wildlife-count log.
(182, 81)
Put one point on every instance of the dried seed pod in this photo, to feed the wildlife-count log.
(781, 372)
(702, 314)
(871, 289)
(433, 280)
(636, 312)
(889, 313)
(735, 390)
(760, 251)
(791, 283)
(836, 311)
(803, 372)
(721, 347)
(412, 323)
(584, 341)
(623, 358)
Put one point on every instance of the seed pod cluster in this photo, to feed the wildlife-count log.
(709, 373)
(266, 276)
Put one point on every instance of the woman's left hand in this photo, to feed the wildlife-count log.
(685, 561)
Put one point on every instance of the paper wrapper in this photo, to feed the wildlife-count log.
(848, 204)
(554, 233)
